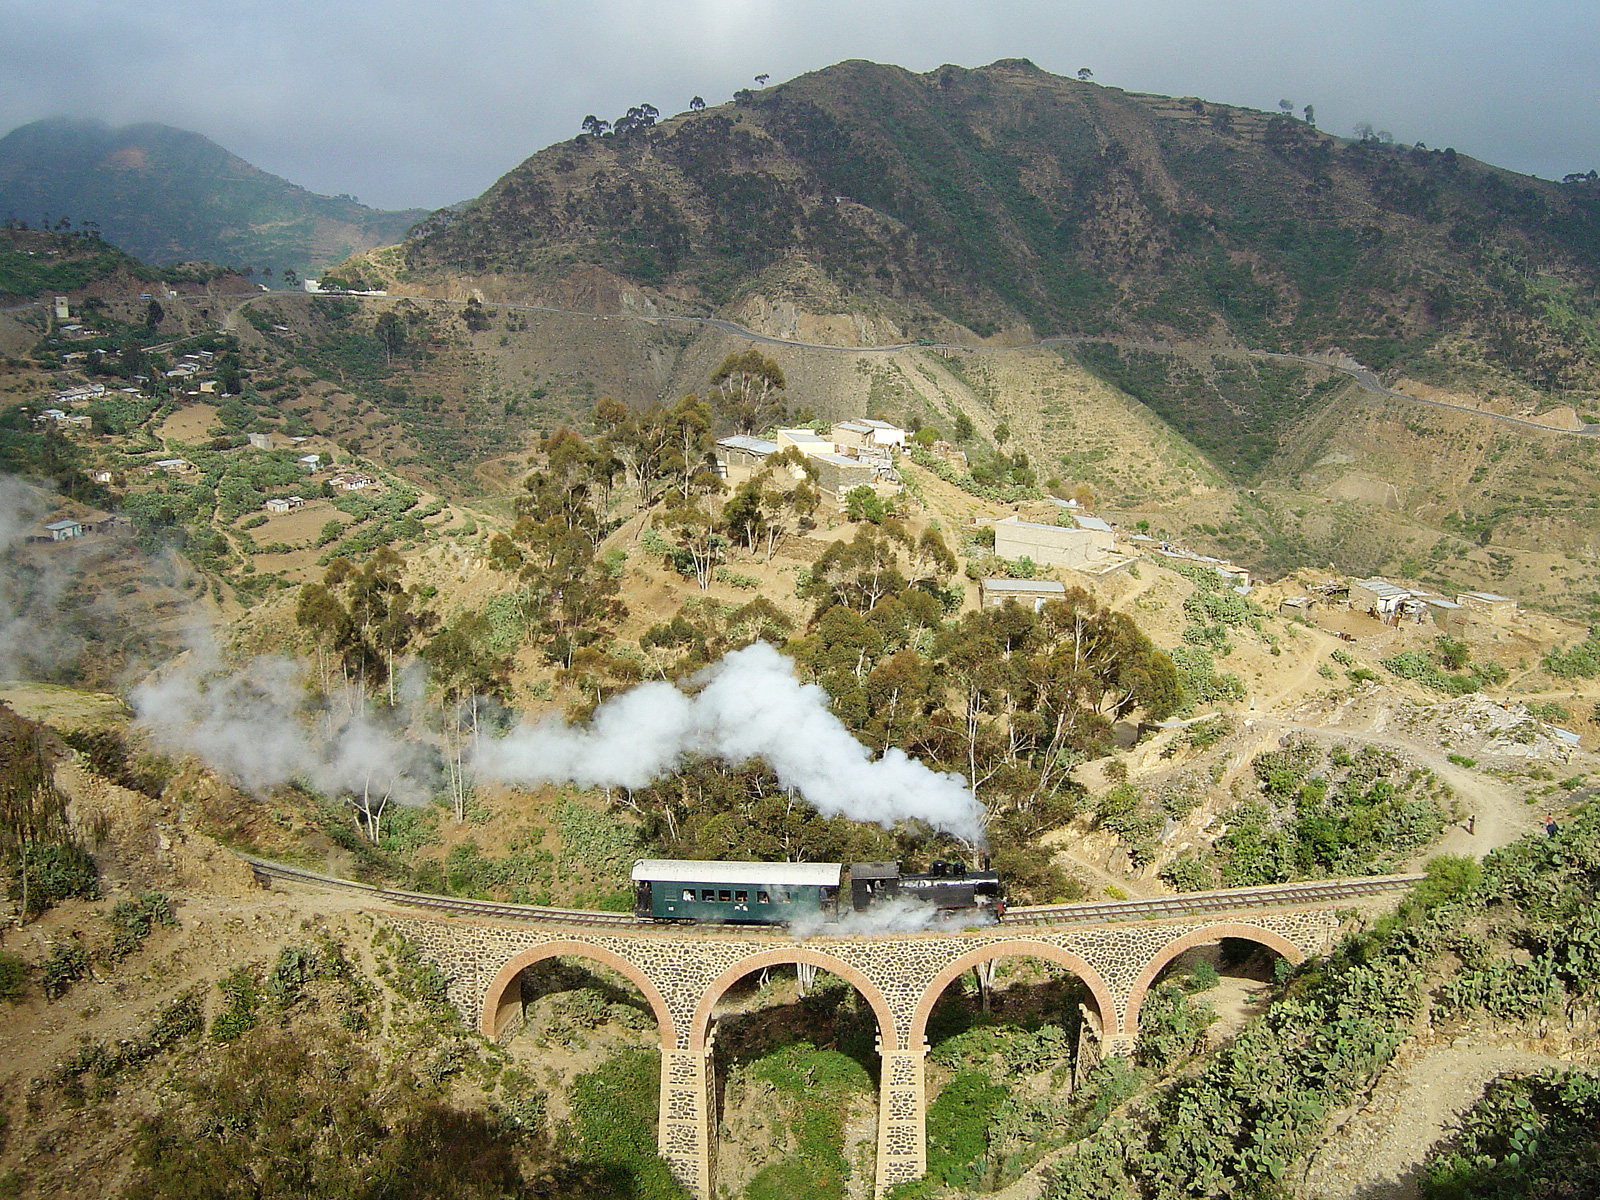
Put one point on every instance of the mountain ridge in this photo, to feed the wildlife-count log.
(166, 195)
(1002, 196)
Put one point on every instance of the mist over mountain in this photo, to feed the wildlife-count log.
(169, 195)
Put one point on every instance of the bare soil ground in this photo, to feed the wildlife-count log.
(1376, 1153)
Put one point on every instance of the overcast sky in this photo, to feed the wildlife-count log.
(420, 103)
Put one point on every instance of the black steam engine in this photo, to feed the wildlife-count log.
(756, 893)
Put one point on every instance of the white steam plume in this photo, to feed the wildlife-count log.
(898, 914)
(750, 706)
(35, 642)
(251, 725)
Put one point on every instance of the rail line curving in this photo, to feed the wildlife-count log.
(1191, 904)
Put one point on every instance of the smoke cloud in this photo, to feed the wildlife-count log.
(34, 642)
(899, 914)
(750, 706)
(252, 725)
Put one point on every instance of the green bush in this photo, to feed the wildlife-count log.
(613, 1116)
(13, 975)
(958, 1127)
(241, 990)
(1528, 1138)
(68, 963)
(132, 921)
(52, 872)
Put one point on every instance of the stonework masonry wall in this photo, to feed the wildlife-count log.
(683, 972)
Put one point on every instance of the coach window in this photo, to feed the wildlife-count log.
(763, 898)
(724, 896)
(688, 893)
(741, 897)
(708, 894)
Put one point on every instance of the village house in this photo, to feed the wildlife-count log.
(1489, 606)
(76, 395)
(64, 530)
(947, 453)
(284, 504)
(1029, 593)
(1055, 545)
(1378, 597)
(183, 371)
(739, 457)
(309, 463)
(172, 466)
(806, 441)
(353, 482)
(837, 476)
(101, 476)
(868, 434)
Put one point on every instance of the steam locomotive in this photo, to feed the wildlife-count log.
(759, 893)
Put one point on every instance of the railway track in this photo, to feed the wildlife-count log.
(1197, 904)
(267, 871)
(1192, 904)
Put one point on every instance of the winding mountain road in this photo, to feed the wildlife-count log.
(1363, 376)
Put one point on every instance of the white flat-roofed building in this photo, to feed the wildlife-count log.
(1378, 596)
(807, 441)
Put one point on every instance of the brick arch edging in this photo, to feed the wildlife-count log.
(1020, 948)
(700, 1024)
(1293, 954)
(523, 959)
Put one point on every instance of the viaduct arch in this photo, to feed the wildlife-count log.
(683, 971)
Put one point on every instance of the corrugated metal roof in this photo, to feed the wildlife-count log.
(840, 460)
(1491, 597)
(752, 445)
(1085, 521)
(854, 426)
(1023, 585)
(680, 870)
(803, 435)
(875, 424)
(1385, 590)
(63, 524)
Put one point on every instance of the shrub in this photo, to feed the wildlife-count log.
(51, 873)
(13, 975)
(132, 921)
(68, 963)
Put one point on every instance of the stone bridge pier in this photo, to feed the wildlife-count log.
(683, 972)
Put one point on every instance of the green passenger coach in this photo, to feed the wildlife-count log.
(669, 889)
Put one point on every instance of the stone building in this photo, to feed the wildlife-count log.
(1056, 545)
(1030, 593)
(739, 457)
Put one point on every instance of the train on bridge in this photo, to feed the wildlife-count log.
(761, 893)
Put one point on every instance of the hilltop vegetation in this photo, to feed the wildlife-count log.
(1005, 195)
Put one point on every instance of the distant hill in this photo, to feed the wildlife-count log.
(1004, 197)
(167, 195)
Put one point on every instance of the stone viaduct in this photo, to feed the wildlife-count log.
(683, 971)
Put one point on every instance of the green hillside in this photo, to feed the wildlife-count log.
(167, 195)
(1005, 196)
